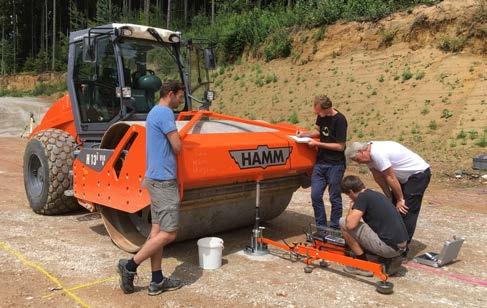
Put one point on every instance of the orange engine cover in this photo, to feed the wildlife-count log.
(217, 150)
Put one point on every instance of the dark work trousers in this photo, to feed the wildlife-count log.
(327, 175)
(413, 191)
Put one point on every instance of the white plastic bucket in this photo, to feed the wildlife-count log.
(210, 252)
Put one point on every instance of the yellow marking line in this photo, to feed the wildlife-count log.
(85, 285)
(40, 269)
(90, 284)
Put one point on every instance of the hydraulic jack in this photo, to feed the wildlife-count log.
(325, 245)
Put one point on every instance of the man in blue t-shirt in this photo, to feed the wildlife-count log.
(162, 145)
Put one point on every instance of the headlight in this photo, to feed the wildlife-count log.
(174, 38)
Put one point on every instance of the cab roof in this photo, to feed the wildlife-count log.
(127, 30)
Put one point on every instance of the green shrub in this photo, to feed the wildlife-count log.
(277, 45)
(48, 89)
(446, 114)
(221, 70)
(433, 125)
(452, 43)
(473, 134)
(406, 74)
(482, 142)
(293, 118)
(270, 78)
(387, 37)
(259, 82)
(419, 75)
(236, 27)
(462, 134)
(319, 35)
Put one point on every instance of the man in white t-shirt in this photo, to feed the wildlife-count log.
(402, 174)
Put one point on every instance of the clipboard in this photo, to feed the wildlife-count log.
(300, 139)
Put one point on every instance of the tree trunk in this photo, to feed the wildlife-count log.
(109, 10)
(42, 29)
(53, 66)
(146, 11)
(46, 31)
(168, 13)
(185, 13)
(212, 12)
(3, 47)
(15, 36)
(289, 3)
(32, 28)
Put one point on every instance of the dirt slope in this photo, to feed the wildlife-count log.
(390, 78)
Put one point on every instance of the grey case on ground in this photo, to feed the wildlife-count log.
(449, 253)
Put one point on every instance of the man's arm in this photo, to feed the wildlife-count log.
(393, 182)
(175, 141)
(339, 147)
(353, 219)
(312, 133)
(341, 137)
(379, 179)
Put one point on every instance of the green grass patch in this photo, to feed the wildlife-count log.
(406, 74)
(293, 118)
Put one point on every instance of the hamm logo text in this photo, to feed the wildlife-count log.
(261, 157)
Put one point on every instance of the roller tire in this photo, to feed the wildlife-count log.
(48, 158)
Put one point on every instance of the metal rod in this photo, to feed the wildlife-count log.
(257, 205)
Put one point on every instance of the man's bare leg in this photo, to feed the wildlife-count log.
(358, 251)
(156, 259)
(154, 245)
(352, 243)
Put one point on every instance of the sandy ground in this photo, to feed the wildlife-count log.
(15, 114)
(70, 261)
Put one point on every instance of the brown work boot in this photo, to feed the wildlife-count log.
(393, 265)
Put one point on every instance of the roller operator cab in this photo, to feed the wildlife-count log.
(116, 71)
(89, 148)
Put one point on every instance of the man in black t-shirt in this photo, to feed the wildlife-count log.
(331, 127)
(382, 233)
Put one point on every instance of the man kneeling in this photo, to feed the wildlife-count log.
(382, 233)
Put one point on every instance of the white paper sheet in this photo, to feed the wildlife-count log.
(300, 139)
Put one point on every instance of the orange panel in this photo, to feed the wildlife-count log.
(206, 160)
(59, 116)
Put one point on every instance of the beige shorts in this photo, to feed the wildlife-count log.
(370, 241)
(164, 203)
